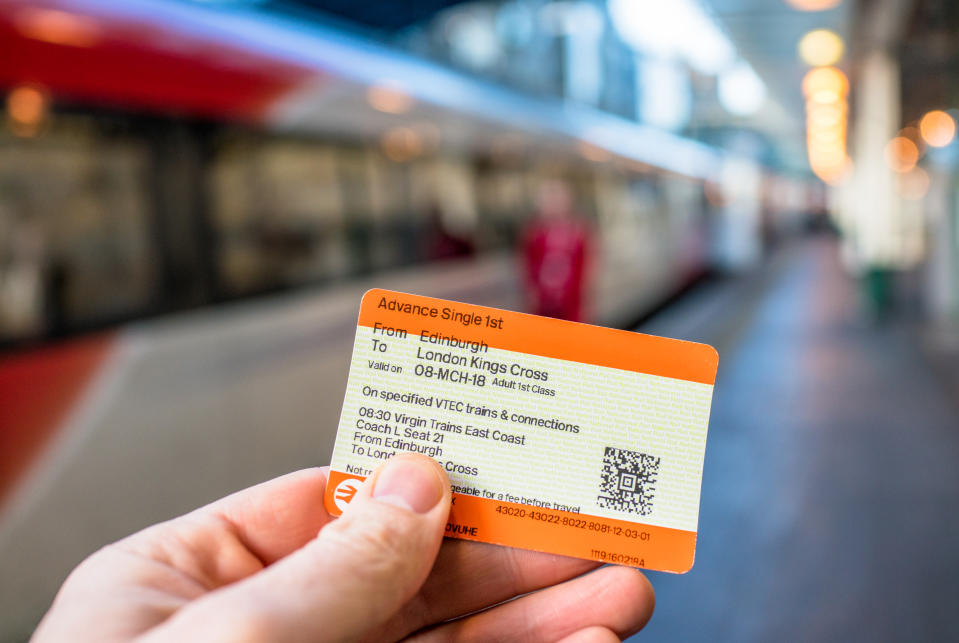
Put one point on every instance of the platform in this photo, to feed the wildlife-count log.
(831, 477)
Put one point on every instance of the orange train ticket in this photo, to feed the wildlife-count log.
(556, 436)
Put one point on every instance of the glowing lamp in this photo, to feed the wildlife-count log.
(901, 154)
(937, 128)
(389, 99)
(821, 47)
(813, 5)
(824, 82)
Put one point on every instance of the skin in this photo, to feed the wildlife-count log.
(269, 563)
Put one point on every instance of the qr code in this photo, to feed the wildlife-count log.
(628, 481)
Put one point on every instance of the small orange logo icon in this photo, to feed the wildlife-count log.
(344, 492)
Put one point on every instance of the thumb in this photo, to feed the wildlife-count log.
(352, 578)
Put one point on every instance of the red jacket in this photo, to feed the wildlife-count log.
(555, 254)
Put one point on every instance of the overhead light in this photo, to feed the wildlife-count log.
(27, 108)
(821, 47)
(665, 98)
(741, 91)
(901, 154)
(472, 39)
(675, 29)
(825, 115)
(825, 97)
(813, 5)
(57, 27)
(825, 89)
(647, 26)
(937, 128)
(830, 165)
(389, 98)
(823, 83)
(707, 49)
(827, 134)
(913, 135)
(27, 104)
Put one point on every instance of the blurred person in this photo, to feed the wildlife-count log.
(269, 563)
(878, 284)
(556, 247)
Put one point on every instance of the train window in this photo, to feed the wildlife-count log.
(388, 188)
(353, 175)
(279, 212)
(444, 198)
(504, 199)
(75, 248)
(503, 194)
(613, 203)
(393, 240)
(683, 197)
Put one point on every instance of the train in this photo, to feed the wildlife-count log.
(195, 192)
(183, 155)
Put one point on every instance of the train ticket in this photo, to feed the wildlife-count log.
(556, 436)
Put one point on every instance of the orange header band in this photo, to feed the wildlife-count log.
(541, 336)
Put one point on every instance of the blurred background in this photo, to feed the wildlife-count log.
(195, 194)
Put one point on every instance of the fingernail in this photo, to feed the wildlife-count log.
(408, 484)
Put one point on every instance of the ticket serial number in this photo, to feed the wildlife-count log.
(569, 521)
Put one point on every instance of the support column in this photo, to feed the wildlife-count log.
(875, 211)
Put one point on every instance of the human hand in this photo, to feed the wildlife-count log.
(269, 563)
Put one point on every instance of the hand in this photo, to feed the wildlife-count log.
(269, 563)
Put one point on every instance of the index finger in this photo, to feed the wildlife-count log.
(277, 517)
